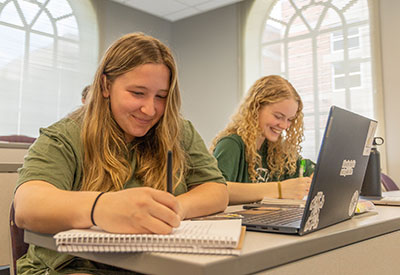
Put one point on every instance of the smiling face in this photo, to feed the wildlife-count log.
(275, 118)
(138, 98)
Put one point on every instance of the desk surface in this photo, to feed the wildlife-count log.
(9, 167)
(14, 145)
(261, 251)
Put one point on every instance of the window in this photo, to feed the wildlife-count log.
(339, 75)
(323, 48)
(338, 40)
(48, 53)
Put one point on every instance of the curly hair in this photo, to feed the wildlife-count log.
(106, 153)
(282, 154)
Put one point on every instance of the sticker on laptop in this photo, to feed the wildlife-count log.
(353, 203)
(370, 138)
(348, 166)
(315, 207)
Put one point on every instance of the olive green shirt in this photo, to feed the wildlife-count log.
(57, 158)
(230, 154)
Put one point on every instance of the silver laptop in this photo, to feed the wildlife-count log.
(336, 184)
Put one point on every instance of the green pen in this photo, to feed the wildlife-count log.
(302, 168)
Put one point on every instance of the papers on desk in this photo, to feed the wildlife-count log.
(222, 237)
(390, 198)
(393, 201)
(362, 205)
(266, 200)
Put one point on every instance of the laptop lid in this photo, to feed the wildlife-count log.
(337, 179)
(340, 170)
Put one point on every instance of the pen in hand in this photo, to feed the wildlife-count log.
(169, 172)
(302, 168)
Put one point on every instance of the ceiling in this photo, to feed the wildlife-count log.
(173, 10)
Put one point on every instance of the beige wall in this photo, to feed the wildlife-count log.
(7, 185)
(7, 182)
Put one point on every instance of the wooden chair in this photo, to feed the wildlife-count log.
(18, 246)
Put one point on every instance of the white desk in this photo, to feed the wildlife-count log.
(333, 250)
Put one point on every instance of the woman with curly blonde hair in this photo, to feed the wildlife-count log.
(106, 163)
(259, 150)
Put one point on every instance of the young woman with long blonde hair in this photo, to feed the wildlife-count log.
(106, 163)
(259, 150)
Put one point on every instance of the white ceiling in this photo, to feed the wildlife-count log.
(173, 10)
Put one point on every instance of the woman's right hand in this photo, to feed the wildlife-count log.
(295, 188)
(137, 210)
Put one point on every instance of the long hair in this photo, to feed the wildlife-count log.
(282, 154)
(106, 155)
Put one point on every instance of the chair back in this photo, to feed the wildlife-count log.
(18, 246)
(18, 138)
(388, 183)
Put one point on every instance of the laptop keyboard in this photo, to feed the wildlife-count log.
(282, 217)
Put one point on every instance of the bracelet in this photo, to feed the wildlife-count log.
(279, 190)
(94, 204)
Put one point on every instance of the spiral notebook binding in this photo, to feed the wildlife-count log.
(222, 238)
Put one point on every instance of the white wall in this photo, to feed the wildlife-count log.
(206, 48)
(207, 51)
(116, 20)
(390, 47)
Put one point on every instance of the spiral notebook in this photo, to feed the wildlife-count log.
(222, 237)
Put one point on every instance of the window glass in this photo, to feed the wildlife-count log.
(42, 68)
(323, 49)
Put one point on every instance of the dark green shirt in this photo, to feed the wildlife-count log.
(230, 154)
(57, 157)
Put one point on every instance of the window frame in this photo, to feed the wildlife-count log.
(84, 64)
(252, 67)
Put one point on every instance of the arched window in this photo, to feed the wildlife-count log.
(48, 53)
(324, 48)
